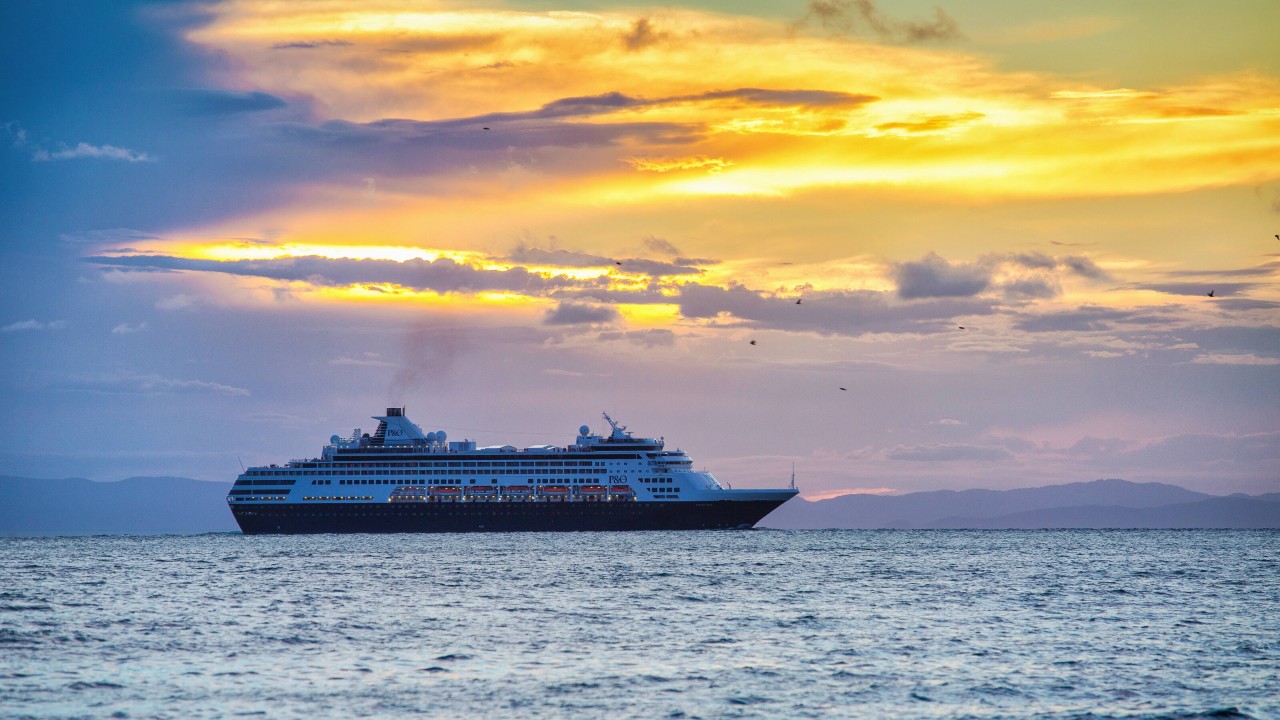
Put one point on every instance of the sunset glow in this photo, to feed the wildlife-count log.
(901, 246)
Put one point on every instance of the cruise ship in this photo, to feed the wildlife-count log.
(400, 479)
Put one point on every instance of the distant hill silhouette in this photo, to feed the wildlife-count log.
(138, 505)
(162, 505)
(1097, 504)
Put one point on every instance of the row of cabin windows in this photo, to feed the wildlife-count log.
(414, 473)
(522, 470)
(450, 464)
(451, 481)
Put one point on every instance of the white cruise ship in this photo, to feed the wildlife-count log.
(400, 479)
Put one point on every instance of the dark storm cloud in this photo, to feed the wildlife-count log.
(934, 277)
(844, 16)
(572, 313)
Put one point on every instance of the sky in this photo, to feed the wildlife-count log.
(896, 245)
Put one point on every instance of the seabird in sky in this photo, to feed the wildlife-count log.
(753, 342)
(1210, 293)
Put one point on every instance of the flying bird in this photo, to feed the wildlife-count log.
(1210, 293)
(617, 262)
(845, 389)
(753, 342)
(961, 327)
(798, 300)
(484, 128)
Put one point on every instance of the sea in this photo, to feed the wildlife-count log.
(718, 624)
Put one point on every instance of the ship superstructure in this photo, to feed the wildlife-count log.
(400, 479)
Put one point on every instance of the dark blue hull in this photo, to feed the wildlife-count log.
(292, 518)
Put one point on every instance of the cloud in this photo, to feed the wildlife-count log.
(1238, 359)
(657, 337)
(557, 257)
(571, 313)
(934, 277)
(947, 452)
(1083, 318)
(311, 44)
(150, 385)
(85, 150)
(611, 102)
(1084, 267)
(642, 34)
(369, 360)
(930, 123)
(108, 236)
(443, 275)
(661, 246)
(181, 301)
(844, 312)
(851, 15)
(34, 325)
(663, 165)
(1030, 288)
(127, 329)
(225, 102)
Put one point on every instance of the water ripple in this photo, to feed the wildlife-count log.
(1066, 625)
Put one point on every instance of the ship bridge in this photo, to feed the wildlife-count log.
(619, 439)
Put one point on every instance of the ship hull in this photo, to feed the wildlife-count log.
(425, 517)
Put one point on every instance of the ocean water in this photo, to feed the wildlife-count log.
(729, 624)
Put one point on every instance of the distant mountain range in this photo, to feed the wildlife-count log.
(1097, 504)
(164, 505)
(135, 506)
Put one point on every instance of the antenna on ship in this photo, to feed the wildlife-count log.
(241, 464)
(793, 474)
